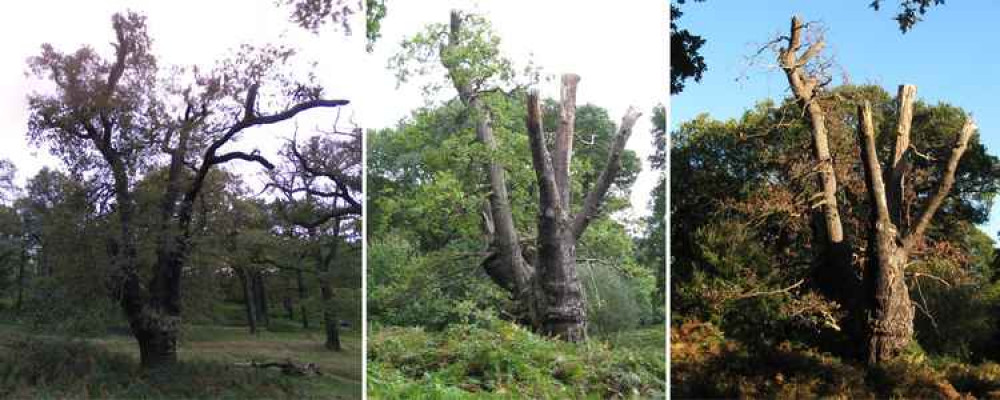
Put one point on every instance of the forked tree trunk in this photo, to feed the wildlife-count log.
(890, 321)
(546, 287)
(883, 306)
(154, 314)
(562, 310)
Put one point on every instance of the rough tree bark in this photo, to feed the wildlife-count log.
(881, 303)
(560, 297)
(289, 307)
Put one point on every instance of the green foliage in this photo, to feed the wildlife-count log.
(497, 359)
(910, 11)
(51, 305)
(612, 305)
(432, 290)
(473, 55)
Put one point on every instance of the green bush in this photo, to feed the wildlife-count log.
(57, 307)
(432, 290)
(613, 305)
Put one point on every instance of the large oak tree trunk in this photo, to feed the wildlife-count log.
(507, 266)
(546, 287)
(561, 307)
(890, 319)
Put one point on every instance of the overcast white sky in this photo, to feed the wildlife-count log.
(619, 50)
(184, 33)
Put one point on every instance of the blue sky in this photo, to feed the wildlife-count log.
(952, 56)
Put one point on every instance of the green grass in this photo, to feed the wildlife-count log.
(502, 360)
(48, 366)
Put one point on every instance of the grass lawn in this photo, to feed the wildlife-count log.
(107, 366)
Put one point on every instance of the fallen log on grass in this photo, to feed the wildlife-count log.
(287, 368)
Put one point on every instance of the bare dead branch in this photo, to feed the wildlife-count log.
(948, 180)
(592, 203)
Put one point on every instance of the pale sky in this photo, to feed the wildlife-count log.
(184, 33)
(619, 50)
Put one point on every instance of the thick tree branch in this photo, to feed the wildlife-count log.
(873, 171)
(232, 131)
(239, 155)
(324, 218)
(344, 189)
(562, 154)
(281, 116)
(249, 107)
(948, 180)
(896, 174)
(804, 87)
(592, 203)
(549, 200)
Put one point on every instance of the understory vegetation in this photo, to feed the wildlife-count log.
(36, 364)
(499, 359)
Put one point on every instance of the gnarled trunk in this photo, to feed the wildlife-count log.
(890, 314)
(545, 286)
(157, 341)
(561, 307)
